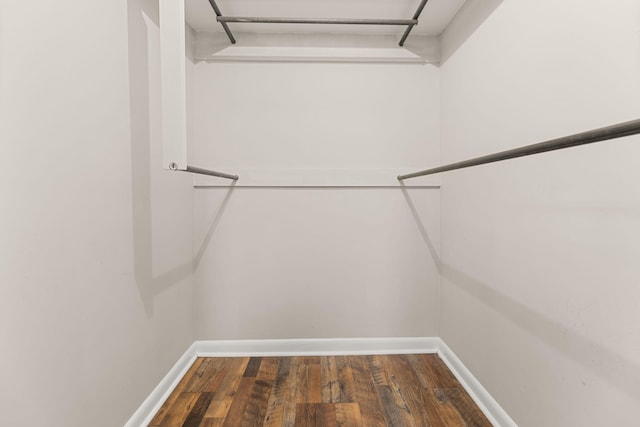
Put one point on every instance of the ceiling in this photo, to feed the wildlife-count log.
(435, 17)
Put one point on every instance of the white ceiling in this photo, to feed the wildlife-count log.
(435, 17)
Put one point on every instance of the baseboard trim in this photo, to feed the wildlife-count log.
(153, 403)
(317, 347)
(320, 347)
(487, 404)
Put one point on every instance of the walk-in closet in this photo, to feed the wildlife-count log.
(350, 213)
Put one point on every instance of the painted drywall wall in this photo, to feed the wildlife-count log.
(540, 293)
(96, 244)
(316, 262)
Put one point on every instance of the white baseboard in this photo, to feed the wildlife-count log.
(321, 347)
(317, 347)
(153, 403)
(487, 404)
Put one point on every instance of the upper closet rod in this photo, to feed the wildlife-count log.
(601, 134)
(261, 20)
(410, 23)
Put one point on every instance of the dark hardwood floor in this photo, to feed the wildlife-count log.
(323, 391)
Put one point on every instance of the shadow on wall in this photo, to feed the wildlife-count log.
(141, 158)
(616, 369)
(423, 230)
(468, 19)
(214, 224)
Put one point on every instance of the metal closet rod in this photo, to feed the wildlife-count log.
(348, 21)
(202, 171)
(218, 13)
(410, 23)
(416, 15)
(596, 135)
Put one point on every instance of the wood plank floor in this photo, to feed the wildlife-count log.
(326, 391)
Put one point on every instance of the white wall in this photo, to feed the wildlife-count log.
(540, 255)
(96, 285)
(283, 262)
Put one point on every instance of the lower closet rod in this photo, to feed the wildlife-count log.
(202, 171)
(601, 134)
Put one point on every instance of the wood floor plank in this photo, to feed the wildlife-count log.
(408, 385)
(377, 369)
(199, 409)
(179, 411)
(291, 393)
(253, 367)
(276, 403)
(329, 378)
(348, 415)
(394, 404)
(157, 419)
(315, 383)
(366, 394)
(224, 395)
(256, 407)
(310, 360)
(446, 412)
(236, 411)
(419, 367)
(269, 368)
(337, 379)
(195, 380)
(316, 415)
(218, 409)
(464, 407)
(310, 384)
(303, 383)
(223, 368)
(438, 371)
(395, 409)
(432, 409)
(429, 370)
(345, 379)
